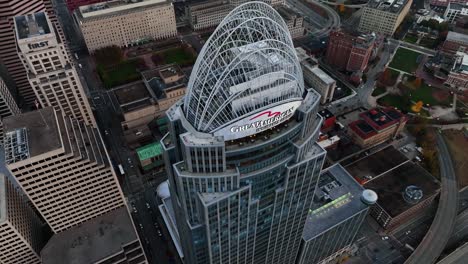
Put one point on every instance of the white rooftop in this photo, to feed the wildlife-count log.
(115, 6)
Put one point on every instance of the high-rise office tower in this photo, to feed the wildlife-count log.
(62, 166)
(51, 74)
(8, 51)
(20, 228)
(241, 152)
(8, 105)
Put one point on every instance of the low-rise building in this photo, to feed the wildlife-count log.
(384, 16)
(338, 210)
(455, 42)
(458, 76)
(150, 156)
(144, 101)
(404, 188)
(376, 126)
(455, 11)
(443, 3)
(74, 4)
(126, 22)
(294, 20)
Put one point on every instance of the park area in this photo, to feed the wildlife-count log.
(458, 144)
(415, 92)
(405, 60)
(182, 55)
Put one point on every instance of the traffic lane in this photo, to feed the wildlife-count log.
(429, 250)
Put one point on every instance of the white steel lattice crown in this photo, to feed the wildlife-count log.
(248, 65)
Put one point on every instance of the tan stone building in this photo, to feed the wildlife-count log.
(123, 23)
(384, 16)
(144, 101)
(51, 73)
(20, 228)
(62, 166)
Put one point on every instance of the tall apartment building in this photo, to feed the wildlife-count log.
(350, 52)
(74, 4)
(384, 16)
(62, 166)
(127, 22)
(51, 74)
(241, 156)
(8, 106)
(340, 206)
(8, 48)
(21, 236)
(376, 126)
(455, 11)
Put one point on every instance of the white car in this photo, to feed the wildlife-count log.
(148, 206)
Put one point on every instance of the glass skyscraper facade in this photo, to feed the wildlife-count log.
(241, 151)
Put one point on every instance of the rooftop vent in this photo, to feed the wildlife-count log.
(413, 194)
(369, 197)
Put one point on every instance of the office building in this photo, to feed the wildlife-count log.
(21, 230)
(315, 77)
(384, 16)
(74, 4)
(376, 126)
(8, 48)
(444, 3)
(241, 154)
(207, 15)
(8, 106)
(339, 208)
(458, 75)
(455, 42)
(349, 51)
(455, 11)
(144, 101)
(51, 74)
(127, 22)
(62, 166)
(106, 239)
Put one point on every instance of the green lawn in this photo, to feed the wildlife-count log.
(125, 72)
(411, 38)
(405, 60)
(397, 101)
(177, 55)
(378, 91)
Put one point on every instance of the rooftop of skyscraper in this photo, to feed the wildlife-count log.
(31, 25)
(337, 197)
(109, 7)
(92, 241)
(393, 6)
(31, 134)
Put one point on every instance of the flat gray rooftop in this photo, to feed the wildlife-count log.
(337, 198)
(458, 37)
(374, 165)
(31, 25)
(92, 241)
(41, 128)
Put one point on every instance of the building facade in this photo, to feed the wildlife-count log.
(62, 166)
(384, 16)
(458, 75)
(455, 11)
(8, 106)
(241, 153)
(376, 126)
(51, 74)
(339, 209)
(74, 4)
(447, 2)
(20, 227)
(8, 48)
(349, 52)
(127, 22)
(455, 42)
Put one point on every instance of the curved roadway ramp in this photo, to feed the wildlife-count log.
(439, 233)
(459, 256)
